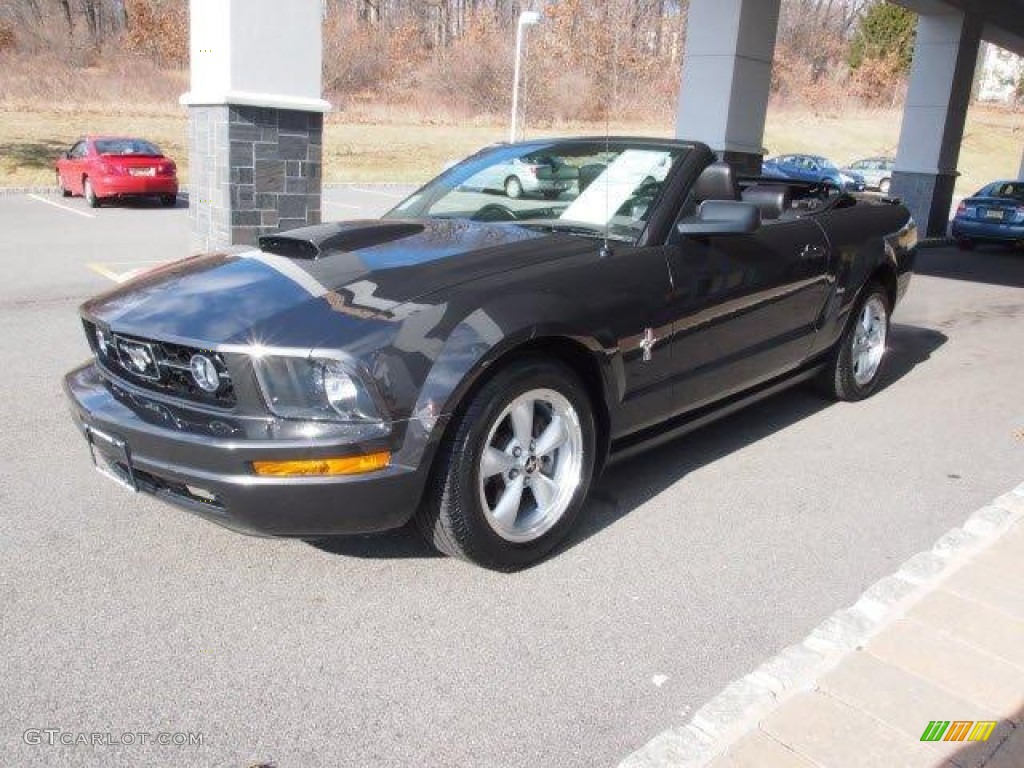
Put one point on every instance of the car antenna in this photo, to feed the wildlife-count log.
(606, 249)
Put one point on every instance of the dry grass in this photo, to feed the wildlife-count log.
(387, 145)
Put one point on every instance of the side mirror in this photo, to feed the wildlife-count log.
(721, 217)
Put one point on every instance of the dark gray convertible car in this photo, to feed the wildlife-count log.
(471, 361)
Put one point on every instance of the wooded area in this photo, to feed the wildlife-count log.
(455, 56)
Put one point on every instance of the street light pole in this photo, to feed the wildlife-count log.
(526, 19)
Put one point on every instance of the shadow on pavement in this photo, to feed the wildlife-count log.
(643, 477)
(639, 479)
(139, 203)
(993, 264)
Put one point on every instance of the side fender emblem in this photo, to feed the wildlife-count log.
(647, 344)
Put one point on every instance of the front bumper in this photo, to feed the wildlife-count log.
(996, 232)
(130, 186)
(171, 465)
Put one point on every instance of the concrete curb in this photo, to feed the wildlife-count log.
(742, 704)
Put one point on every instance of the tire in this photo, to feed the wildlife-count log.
(965, 244)
(513, 187)
(856, 363)
(463, 514)
(64, 191)
(883, 186)
(168, 201)
(90, 194)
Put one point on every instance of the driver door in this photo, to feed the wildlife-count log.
(745, 307)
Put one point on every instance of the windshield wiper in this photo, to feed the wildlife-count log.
(572, 229)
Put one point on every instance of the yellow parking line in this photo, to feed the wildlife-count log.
(101, 270)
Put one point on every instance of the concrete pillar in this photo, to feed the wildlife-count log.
(1020, 173)
(255, 127)
(945, 57)
(727, 72)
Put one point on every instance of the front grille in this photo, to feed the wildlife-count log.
(159, 365)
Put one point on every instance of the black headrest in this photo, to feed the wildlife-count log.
(717, 182)
(773, 199)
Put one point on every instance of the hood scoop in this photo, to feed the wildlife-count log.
(311, 243)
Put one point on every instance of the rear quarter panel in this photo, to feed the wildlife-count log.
(865, 240)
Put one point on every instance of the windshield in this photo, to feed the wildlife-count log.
(594, 189)
(125, 147)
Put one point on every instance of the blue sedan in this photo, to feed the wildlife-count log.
(994, 214)
(814, 168)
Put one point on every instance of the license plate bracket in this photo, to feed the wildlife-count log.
(994, 215)
(113, 454)
(142, 171)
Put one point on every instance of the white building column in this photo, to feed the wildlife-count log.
(1020, 173)
(945, 57)
(727, 72)
(255, 126)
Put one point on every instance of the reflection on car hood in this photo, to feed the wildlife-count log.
(257, 297)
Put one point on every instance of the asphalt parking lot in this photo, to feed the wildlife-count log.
(692, 564)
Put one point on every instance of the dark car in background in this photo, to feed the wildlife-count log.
(993, 214)
(103, 168)
(813, 168)
(875, 171)
(472, 362)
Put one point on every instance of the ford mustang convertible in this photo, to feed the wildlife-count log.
(471, 361)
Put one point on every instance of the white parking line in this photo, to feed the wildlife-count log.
(395, 195)
(62, 207)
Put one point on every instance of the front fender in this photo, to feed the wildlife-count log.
(487, 334)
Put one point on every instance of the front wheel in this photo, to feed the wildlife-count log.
(883, 186)
(854, 367)
(510, 480)
(168, 201)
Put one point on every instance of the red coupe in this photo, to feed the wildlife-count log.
(105, 167)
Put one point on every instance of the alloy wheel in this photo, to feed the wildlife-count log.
(531, 465)
(869, 340)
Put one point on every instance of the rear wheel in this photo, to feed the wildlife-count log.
(168, 200)
(513, 187)
(90, 194)
(965, 244)
(510, 480)
(856, 362)
(883, 186)
(64, 191)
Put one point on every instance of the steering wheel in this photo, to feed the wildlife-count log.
(494, 212)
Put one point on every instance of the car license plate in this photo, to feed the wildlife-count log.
(142, 171)
(114, 460)
(994, 215)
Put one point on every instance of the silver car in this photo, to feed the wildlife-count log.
(538, 175)
(876, 171)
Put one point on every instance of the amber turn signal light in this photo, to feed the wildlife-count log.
(342, 465)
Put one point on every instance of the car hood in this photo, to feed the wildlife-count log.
(370, 276)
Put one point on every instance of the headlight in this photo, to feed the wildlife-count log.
(310, 388)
